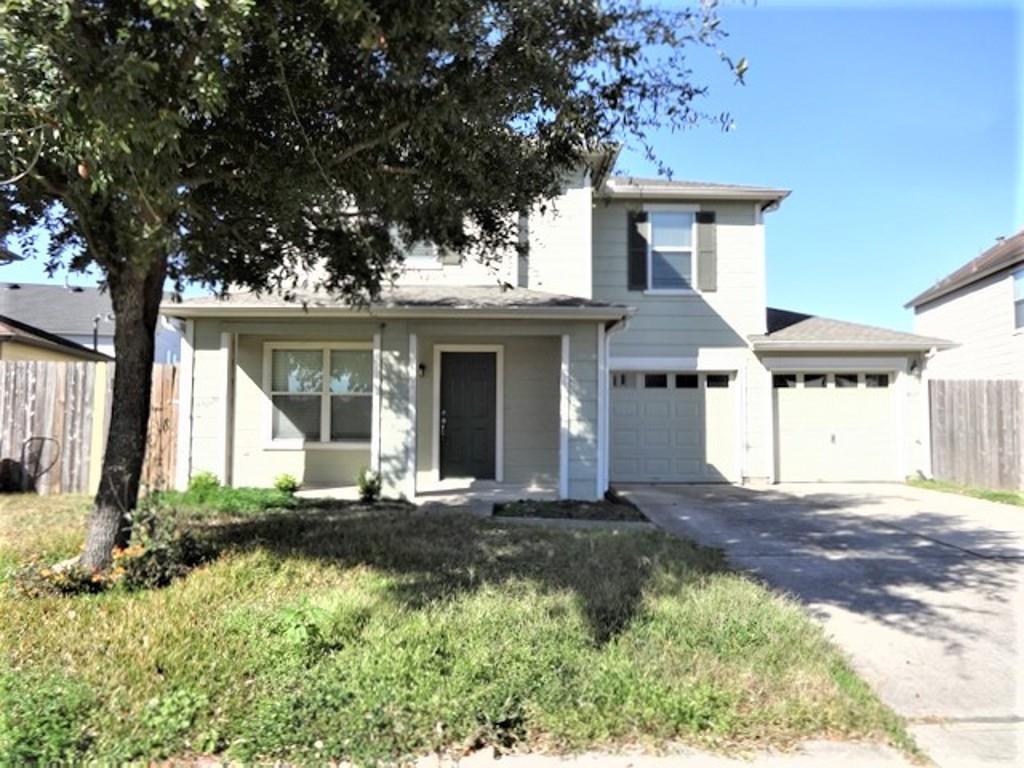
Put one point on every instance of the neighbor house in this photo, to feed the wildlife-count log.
(80, 314)
(631, 342)
(980, 306)
(20, 341)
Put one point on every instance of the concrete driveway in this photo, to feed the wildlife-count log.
(924, 590)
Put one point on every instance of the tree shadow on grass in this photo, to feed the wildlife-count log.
(439, 556)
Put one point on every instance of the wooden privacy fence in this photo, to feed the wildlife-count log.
(978, 432)
(54, 419)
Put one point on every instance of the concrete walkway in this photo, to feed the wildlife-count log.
(924, 590)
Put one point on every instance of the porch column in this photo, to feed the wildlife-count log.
(183, 460)
(564, 419)
(227, 368)
(393, 437)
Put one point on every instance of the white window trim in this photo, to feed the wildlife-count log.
(302, 444)
(653, 208)
(499, 406)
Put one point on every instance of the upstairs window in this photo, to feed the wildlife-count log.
(1018, 299)
(671, 253)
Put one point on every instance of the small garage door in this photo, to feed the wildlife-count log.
(835, 427)
(671, 427)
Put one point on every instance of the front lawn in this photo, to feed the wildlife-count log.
(1003, 497)
(372, 633)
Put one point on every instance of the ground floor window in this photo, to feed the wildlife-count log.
(320, 393)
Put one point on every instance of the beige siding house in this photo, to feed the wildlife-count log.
(21, 341)
(631, 343)
(981, 308)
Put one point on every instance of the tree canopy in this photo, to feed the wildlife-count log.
(246, 142)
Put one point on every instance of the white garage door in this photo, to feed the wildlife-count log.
(673, 427)
(835, 427)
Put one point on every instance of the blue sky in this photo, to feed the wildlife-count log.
(897, 128)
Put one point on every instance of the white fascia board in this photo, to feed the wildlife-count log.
(504, 313)
(847, 346)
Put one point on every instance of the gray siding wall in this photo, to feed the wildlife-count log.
(675, 326)
(980, 319)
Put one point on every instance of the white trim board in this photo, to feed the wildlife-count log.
(564, 404)
(499, 405)
(183, 461)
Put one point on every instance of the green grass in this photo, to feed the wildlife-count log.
(569, 509)
(373, 633)
(1003, 497)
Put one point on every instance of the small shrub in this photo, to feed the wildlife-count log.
(286, 483)
(43, 719)
(160, 562)
(203, 484)
(369, 484)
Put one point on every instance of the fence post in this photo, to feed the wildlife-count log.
(99, 434)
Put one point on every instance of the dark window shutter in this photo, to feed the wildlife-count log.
(707, 251)
(636, 242)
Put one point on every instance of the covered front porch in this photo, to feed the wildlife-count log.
(448, 405)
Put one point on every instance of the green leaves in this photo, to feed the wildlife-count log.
(234, 139)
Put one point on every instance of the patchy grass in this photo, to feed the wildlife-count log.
(370, 633)
(1003, 497)
(569, 509)
(219, 501)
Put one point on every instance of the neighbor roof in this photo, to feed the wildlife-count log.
(57, 309)
(491, 301)
(14, 331)
(795, 331)
(1006, 253)
(632, 186)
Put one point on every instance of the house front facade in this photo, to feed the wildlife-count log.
(631, 342)
(980, 306)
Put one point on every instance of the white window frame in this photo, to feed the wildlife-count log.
(652, 211)
(1015, 299)
(299, 444)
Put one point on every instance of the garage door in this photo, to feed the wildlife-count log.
(835, 427)
(673, 427)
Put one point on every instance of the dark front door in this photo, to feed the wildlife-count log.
(468, 418)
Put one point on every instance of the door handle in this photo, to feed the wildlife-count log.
(444, 422)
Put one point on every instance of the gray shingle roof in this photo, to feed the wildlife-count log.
(22, 333)
(404, 299)
(1007, 253)
(57, 309)
(797, 329)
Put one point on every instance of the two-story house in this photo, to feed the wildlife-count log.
(631, 343)
(980, 306)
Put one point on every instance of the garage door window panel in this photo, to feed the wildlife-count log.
(655, 381)
(847, 380)
(815, 380)
(876, 380)
(687, 381)
(784, 381)
(717, 380)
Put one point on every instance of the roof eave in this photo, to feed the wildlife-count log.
(769, 196)
(925, 345)
(30, 341)
(492, 313)
(934, 294)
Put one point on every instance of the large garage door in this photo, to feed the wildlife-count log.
(673, 427)
(835, 427)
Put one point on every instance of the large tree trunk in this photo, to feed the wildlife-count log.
(136, 299)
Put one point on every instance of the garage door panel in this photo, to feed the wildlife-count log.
(673, 435)
(835, 434)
